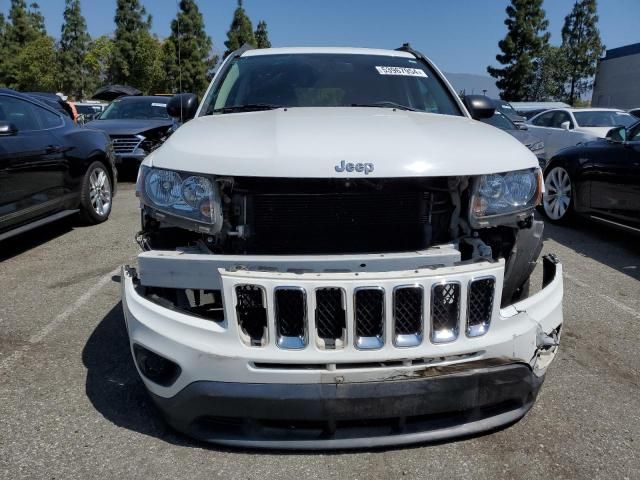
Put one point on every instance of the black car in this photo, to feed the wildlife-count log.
(49, 168)
(635, 112)
(508, 111)
(521, 132)
(136, 124)
(598, 179)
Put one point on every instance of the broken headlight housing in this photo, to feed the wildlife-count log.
(501, 198)
(181, 196)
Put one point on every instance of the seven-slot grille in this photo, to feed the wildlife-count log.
(330, 314)
(126, 144)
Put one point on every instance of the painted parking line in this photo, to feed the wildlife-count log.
(57, 321)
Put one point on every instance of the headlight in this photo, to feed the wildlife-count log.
(500, 197)
(536, 147)
(181, 195)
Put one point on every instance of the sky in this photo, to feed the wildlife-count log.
(460, 36)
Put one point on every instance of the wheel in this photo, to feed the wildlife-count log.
(96, 194)
(557, 201)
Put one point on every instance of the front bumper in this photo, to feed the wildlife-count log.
(130, 158)
(233, 393)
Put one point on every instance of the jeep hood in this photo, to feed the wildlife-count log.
(311, 142)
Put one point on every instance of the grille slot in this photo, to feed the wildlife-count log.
(252, 314)
(480, 306)
(445, 312)
(291, 317)
(369, 317)
(126, 145)
(330, 316)
(408, 315)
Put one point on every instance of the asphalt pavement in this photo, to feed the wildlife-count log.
(72, 406)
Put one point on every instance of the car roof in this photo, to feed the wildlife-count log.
(148, 98)
(330, 50)
(38, 99)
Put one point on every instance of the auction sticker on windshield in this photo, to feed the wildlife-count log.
(405, 71)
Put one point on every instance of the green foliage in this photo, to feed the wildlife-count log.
(72, 51)
(97, 63)
(36, 18)
(522, 48)
(187, 51)
(581, 43)
(240, 32)
(34, 62)
(550, 76)
(146, 67)
(262, 35)
(132, 24)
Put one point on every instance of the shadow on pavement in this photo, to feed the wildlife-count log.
(614, 248)
(19, 244)
(113, 385)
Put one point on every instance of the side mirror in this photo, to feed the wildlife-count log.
(479, 106)
(565, 125)
(617, 135)
(522, 126)
(183, 107)
(7, 129)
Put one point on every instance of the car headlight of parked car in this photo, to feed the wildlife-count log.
(181, 195)
(500, 198)
(537, 147)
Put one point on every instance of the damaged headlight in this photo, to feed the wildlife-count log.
(182, 195)
(501, 197)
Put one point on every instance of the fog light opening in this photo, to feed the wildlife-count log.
(155, 367)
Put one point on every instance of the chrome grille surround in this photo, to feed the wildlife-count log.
(445, 312)
(408, 315)
(291, 317)
(481, 292)
(369, 317)
(126, 145)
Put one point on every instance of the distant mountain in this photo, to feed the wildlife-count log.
(473, 84)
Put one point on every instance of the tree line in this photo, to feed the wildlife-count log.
(78, 64)
(535, 70)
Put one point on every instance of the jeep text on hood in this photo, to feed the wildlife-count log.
(336, 255)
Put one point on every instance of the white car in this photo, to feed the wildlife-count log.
(567, 127)
(337, 255)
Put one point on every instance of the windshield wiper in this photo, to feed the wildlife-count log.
(249, 107)
(384, 104)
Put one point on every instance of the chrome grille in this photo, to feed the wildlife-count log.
(330, 315)
(252, 314)
(127, 144)
(408, 315)
(369, 317)
(445, 312)
(480, 306)
(291, 317)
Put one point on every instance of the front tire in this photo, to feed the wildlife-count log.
(557, 201)
(96, 196)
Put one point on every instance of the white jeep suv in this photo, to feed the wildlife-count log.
(337, 255)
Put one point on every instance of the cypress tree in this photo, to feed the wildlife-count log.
(240, 32)
(3, 33)
(73, 47)
(190, 42)
(581, 43)
(262, 35)
(36, 18)
(522, 48)
(132, 22)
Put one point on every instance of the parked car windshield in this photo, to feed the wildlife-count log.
(604, 119)
(136, 108)
(330, 80)
(501, 121)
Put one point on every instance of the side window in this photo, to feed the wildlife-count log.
(47, 119)
(543, 120)
(559, 118)
(634, 134)
(20, 113)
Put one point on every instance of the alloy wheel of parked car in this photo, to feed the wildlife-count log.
(557, 201)
(96, 194)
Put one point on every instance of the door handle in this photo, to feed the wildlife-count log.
(53, 148)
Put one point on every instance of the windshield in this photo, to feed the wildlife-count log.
(88, 109)
(329, 80)
(501, 121)
(138, 108)
(604, 119)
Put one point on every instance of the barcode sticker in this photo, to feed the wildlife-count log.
(404, 71)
